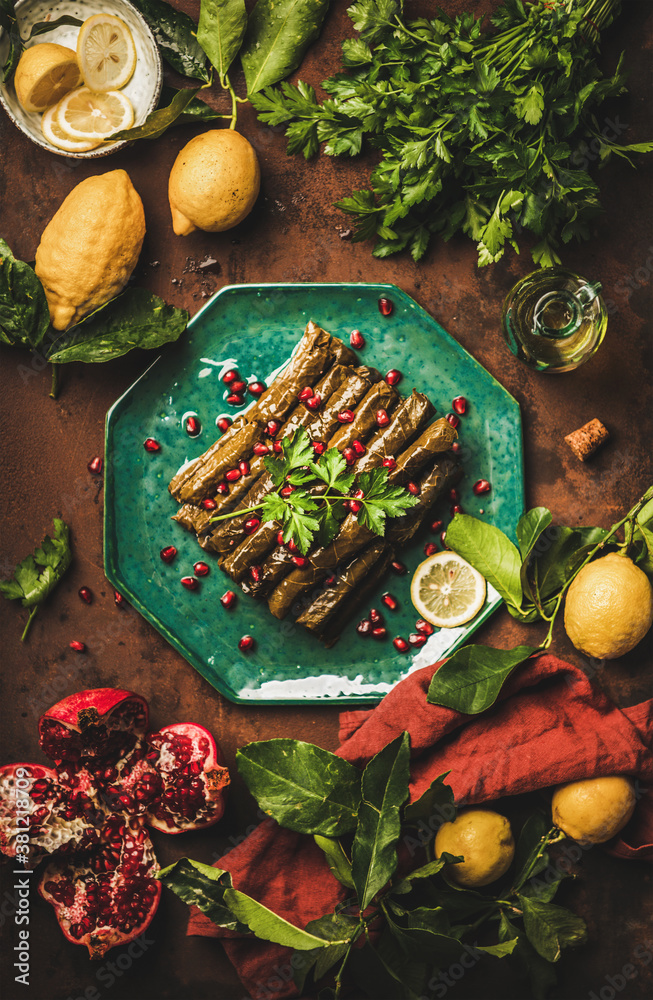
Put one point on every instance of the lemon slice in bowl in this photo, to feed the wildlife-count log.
(55, 135)
(45, 72)
(447, 591)
(85, 114)
(105, 52)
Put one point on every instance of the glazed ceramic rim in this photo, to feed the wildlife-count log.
(103, 150)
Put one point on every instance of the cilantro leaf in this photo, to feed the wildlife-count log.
(37, 575)
(381, 499)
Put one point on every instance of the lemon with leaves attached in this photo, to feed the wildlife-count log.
(90, 247)
(609, 607)
(594, 810)
(45, 72)
(484, 839)
(214, 182)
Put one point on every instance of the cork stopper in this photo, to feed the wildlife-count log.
(587, 439)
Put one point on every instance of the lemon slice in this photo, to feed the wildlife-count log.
(45, 73)
(447, 591)
(106, 52)
(55, 135)
(84, 114)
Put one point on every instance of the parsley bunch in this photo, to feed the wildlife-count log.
(480, 134)
(37, 575)
(311, 499)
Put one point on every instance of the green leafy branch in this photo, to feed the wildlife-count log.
(533, 579)
(421, 917)
(312, 498)
(36, 576)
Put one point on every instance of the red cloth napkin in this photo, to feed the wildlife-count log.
(550, 725)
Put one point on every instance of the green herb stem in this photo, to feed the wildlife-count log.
(32, 615)
(54, 385)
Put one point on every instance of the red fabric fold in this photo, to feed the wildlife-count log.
(551, 725)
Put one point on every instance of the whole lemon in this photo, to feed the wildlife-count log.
(594, 810)
(214, 182)
(609, 607)
(45, 72)
(90, 247)
(484, 839)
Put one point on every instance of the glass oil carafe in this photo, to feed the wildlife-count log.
(554, 320)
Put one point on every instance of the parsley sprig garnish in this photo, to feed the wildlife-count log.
(37, 575)
(318, 503)
(487, 135)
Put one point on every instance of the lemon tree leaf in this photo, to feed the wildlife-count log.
(490, 552)
(551, 928)
(278, 34)
(175, 35)
(471, 679)
(221, 30)
(24, 313)
(161, 119)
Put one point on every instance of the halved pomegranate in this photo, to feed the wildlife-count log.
(90, 812)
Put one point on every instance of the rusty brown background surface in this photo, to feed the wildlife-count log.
(294, 233)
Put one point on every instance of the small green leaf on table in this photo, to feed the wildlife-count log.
(490, 552)
(471, 679)
(436, 799)
(37, 575)
(551, 928)
(221, 30)
(24, 313)
(278, 34)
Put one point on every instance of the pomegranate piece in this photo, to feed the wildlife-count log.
(390, 601)
(359, 448)
(251, 525)
(222, 489)
(393, 377)
(190, 583)
(386, 307)
(256, 573)
(389, 463)
(376, 617)
(261, 449)
(257, 388)
(379, 632)
(243, 468)
(246, 644)
(349, 456)
(482, 486)
(233, 475)
(364, 627)
(305, 394)
(234, 399)
(424, 627)
(443, 540)
(354, 505)
(193, 426)
(95, 466)
(277, 447)
(118, 599)
(280, 540)
(436, 526)
(228, 599)
(272, 428)
(299, 561)
(86, 595)
(168, 554)
(318, 447)
(201, 569)
(238, 387)
(414, 489)
(78, 646)
(208, 504)
(456, 509)
(453, 419)
(314, 403)
(286, 491)
(400, 645)
(223, 423)
(456, 447)
(454, 496)
(417, 640)
(151, 445)
(430, 549)
(346, 416)
(398, 567)
(382, 418)
(459, 405)
(230, 376)
(356, 339)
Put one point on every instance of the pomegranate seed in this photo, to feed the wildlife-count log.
(456, 447)
(382, 418)
(233, 475)
(305, 394)
(201, 569)
(251, 525)
(261, 449)
(453, 419)
(190, 583)
(299, 561)
(291, 546)
(414, 489)
(349, 456)
(314, 403)
(330, 580)
(78, 646)
(208, 504)
(272, 428)
(277, 447)
(168, 553)
(379, 633)
(238, 387)
(482, 486)
(228, 599)
(151, 445)
(359, 495)
(398, 568)
(230, 376)
(318, 447)
(400, 645)
(280, 540)
(119, 600)
(95, 466)
(430, 549)
(376, 617)
(246, 644)
(386, 308)
(346, 416)
(443, 540)
(222, 489)
(424, 627)
(354, 506)
(244, 468)
(436, 526)
(286, 491)
(86, 594)
(456, 509)
(257, 388)
(389, 463)
(454, 496)
(364, 627)
(460, 405)
(359, 448)
(224, 423)
(390, 602)
(235, 400)
(256, 573)
(417, 639)
(193, 426)
(393, 377)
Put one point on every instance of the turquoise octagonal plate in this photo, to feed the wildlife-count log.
(254, 328)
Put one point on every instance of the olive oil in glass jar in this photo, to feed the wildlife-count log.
(554, 320)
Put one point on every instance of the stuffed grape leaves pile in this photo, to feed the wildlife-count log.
(351, 405)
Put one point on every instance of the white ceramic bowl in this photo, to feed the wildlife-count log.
(143, 89)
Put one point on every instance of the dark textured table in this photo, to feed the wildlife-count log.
(295, 234)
